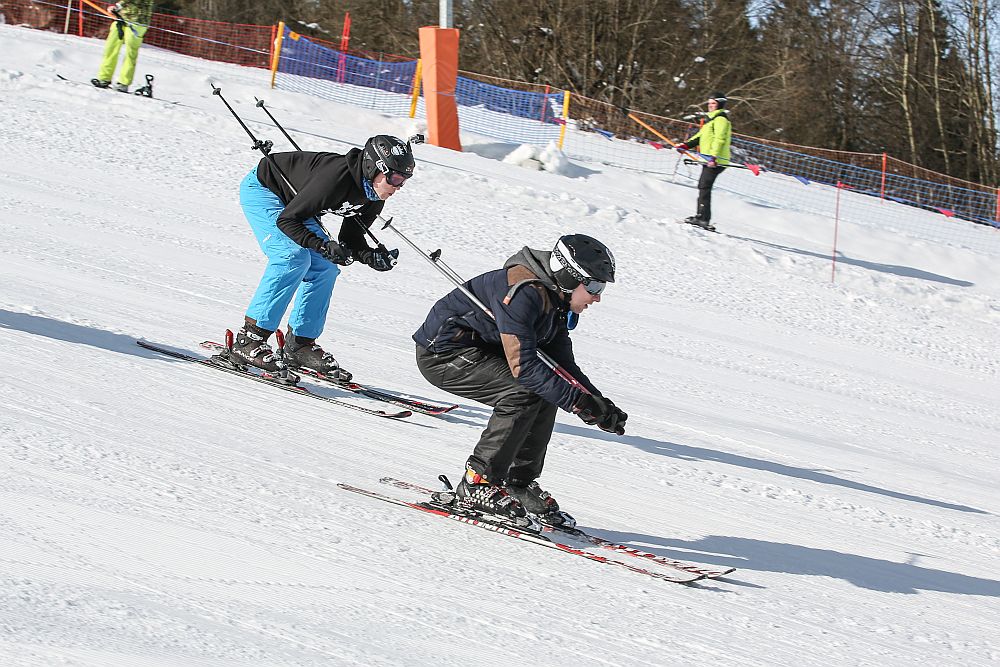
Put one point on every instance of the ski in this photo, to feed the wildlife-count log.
(267, 379)
(137, 92)
(694, 568)
(422, 407)
(708, 227)
(676, 576)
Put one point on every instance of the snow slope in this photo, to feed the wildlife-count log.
(834, 440)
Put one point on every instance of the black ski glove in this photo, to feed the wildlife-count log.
(615, 421)
(379, 259)
(594, 409)
(336, 253)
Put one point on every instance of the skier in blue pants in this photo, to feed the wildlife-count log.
(303, 260)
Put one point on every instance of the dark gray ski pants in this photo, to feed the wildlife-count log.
(512, 447)
(705, 183)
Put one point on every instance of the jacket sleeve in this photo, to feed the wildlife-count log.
(693, 140)
(516, 322)
(561, 351)
(308, 203)
(352, 235)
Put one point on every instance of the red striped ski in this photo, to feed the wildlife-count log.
(674, 576)
(694, 568)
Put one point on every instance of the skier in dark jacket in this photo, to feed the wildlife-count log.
(463, 350)
(303, 261)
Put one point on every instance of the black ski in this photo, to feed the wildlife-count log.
(674, 576)
(362, 390)
(708, 227)
(694, 568)
(270, 380)
(139, 92)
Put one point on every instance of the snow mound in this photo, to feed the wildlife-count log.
(549, 159)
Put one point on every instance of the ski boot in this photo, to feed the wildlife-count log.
(147, 90)
(477, 496)
(306, 354)
(121, 88)
(539, 502)
(100, 83)
(250, 348)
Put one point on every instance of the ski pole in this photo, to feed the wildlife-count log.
(114, 15)
(449, 273)
(698, 157)
(732, 165)
(260, 104)
(263, 146)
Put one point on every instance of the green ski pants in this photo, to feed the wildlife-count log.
(112, 47)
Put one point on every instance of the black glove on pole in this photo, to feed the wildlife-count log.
(336, 253)
(602, 412)
(379, 258)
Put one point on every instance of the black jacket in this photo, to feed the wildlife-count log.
(533, 319)
(326, 182)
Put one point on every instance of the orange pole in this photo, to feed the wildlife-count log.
(98, 8)
(884, 160)
(79, 23)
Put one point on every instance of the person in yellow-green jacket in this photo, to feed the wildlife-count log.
(712, 143)
(132, 21)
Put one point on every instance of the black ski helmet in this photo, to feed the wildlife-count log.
(720, 99)
(384, 153)
(578, 258)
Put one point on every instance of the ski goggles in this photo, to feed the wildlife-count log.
(396, 178)
(392, 177)
(593, 286)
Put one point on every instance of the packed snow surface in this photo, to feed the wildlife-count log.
(832, 432)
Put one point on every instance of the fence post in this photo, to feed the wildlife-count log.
(378, 82)
(415, 95)
(270, 48)
(884, 160)
(997, 217)
(565, 117)
(69, 10)
(545, 102)
(276, 58)
(79, 25)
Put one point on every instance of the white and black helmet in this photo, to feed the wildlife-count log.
(720, 99)
(385, 154)
(580, 259)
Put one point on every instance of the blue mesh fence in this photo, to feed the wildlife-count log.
(948, 199)
(597, 132)
(514, 116)
(309, 67)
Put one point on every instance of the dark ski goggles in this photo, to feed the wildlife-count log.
(396, 178)
(593, 286)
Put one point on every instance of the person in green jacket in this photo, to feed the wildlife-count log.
(712, 142)
(130, 27)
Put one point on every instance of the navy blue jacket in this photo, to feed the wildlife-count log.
(534, 319)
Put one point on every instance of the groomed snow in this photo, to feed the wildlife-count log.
(836, 441)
